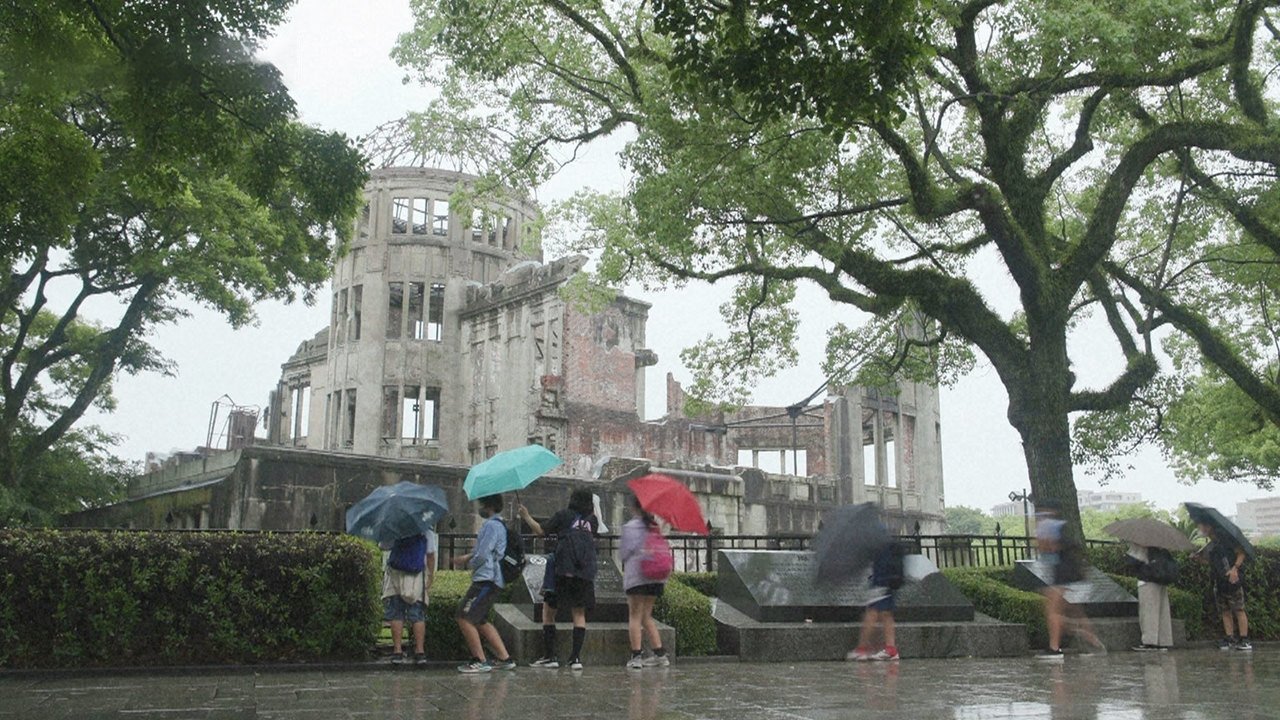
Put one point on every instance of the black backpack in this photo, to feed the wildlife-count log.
(1160, 568)
(512, 562)
(889, 565)
(576, 551)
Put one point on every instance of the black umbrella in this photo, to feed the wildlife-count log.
(848, 541)
(1210, 516)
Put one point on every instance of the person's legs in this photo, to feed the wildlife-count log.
(471, 636)
(1164, 630)
(651, 627)
(1228, 626)
(420, 637)
(635, 623)
(1242, 623)
(1149, 612)
(491, 637)
(1053, 615)
(889, 629)
(397, 635)
(579, 632)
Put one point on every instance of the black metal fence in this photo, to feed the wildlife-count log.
(697, 553)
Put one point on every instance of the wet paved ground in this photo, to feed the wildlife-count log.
(1187, 685)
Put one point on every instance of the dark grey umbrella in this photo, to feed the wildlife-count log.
(397, 511)
(1149, 532)
(847, 542)
(1210, 516)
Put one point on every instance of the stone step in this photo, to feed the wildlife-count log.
(607, 643)
(755, 641)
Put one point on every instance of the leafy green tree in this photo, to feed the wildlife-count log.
(962, 520)
(146, 159)
(1117, 160)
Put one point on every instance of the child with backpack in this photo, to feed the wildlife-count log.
(571, 572)
(486, 580)
(646, 565)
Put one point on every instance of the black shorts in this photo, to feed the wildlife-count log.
(477, 602)
(571, 592)
(650, 589)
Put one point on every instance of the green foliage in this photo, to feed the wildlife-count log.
(147, 160)
(1093, 521)
(689, 612)
(444, 640)
(1116, 159)
(963, 520)
(989, 591)
(703, 582)
(82, 599)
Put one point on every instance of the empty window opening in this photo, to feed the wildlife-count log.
(300, 402)
(440, 217)
(435, 313)
(349, 432)
(782, 461)
(508, 233)
(869, 465)
(342, 316)
(890, 464)
(410, 415)
(395, 308)
(477, 226)
(795, 462)
(400, 215)
(419, 216)
(357, 298)
(430, 413)
(333, 321)
(390, 406)
(417, 328)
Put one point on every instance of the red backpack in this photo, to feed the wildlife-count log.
(657, 562)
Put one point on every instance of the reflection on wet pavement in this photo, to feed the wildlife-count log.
(1185, 685)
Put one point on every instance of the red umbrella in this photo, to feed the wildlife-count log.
(670, 500)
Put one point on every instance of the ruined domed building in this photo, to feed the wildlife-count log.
(450, 339)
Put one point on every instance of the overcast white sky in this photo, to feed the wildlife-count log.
(334, 56)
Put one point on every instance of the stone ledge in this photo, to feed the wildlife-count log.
(755, 641)
(607, 643)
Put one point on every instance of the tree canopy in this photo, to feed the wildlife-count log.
(1118, 160)
(146, 159)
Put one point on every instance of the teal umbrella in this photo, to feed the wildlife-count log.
(509, 470)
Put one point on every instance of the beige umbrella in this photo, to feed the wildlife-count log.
(1150, 533)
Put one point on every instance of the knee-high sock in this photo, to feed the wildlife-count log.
(548, 641)
(579, 636)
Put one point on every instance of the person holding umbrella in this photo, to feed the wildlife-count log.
(401, 518)
(646, 565)
(486, 581)
(1226, 554)
(570, 576)
(1151, 561)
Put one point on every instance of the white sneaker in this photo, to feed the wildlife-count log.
(547, 662)
(635, 663)
(575, 664)
(657, 661)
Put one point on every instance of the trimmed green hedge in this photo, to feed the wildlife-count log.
(444, 640)
(86, 598)
(689, 613)
(990, 593)
(703, 582)
(1261, 584)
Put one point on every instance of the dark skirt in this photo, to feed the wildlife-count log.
(571, 592)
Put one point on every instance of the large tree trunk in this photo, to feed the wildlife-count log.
(1039, 403)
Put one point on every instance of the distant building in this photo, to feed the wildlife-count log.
(1106, 500)
(1260, 516)
(1005, 509)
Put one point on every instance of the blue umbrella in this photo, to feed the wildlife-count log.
(509, 470)
(397, 511)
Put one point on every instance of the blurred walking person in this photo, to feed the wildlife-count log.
(1065, 559)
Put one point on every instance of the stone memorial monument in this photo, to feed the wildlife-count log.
(1097, 594)
(611, 601)
(782, 586)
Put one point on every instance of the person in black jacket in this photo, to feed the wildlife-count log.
(1155, 569)
(570, 542)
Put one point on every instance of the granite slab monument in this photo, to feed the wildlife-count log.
(1097, 594)
(611, 601)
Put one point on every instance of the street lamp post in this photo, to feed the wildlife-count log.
(1025, 497)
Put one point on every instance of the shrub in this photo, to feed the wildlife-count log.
(703, 582)
(444, 640)
(89, 598)
(689, 612)
(990, 593)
